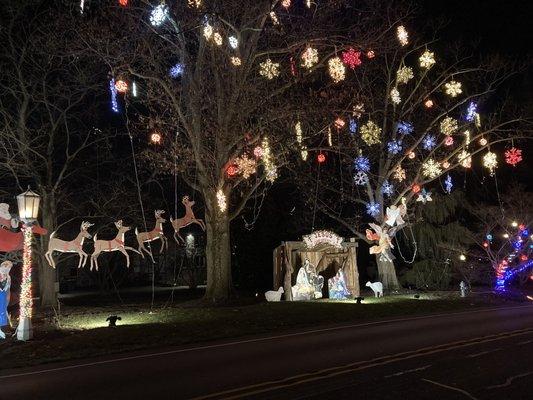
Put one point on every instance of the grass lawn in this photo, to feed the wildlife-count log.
(82, 330)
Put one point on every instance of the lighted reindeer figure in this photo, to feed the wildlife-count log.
(188, 219)
(154, 234)
(73, 246)
(116, 244)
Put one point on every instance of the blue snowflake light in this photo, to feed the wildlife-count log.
(394, 146)
(429, 142)
(113, 92)
(405, 128)
(471, 112)
(176, 70)
(353, 126)
(372, 209)
(448, 184)
(387, 188)
(362, 163)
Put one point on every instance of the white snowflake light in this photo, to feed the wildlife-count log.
(448, 126)
(453, 88)
(360, 178)
(337, 70)
(490, 161)
(221, 200)
(236, 61)
(268, 69)
(404, 75)
(399, 174)
(208, 31)
(246, 165)
(158, 15)
(431, 168)
(402, 35)
(370, 133)
(427, 59)
(465, 159)
(309, 57)
(217, 38)
(233, 42)
(395, 96)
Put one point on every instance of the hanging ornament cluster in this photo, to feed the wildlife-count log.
(427, 59)
(471, 112)
(448, 126)
(404, 75)
(309, 57)
(269, 69)
(513, 156)
(453, 88)
(370, 133)
(351, 58)
(337, 70)
(402, 35)
(431, 168)
(490, 161)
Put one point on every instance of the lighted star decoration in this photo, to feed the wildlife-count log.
(158, 15)
(431, 168)
(268, 69)
(448, 184)
(370, 133)
(453, 88)
(394, 146)
(465, 159)
(404, 75)
(247, 166)
(395, 96)
(399, 174)
(427, 59)
(513, 156)
(372, 209)
(424, 196)
(429, 142)
(236, 61)
(362, 163)
(448, 126)
(402, 35)
(233, 42)
(490, 161)
(360, 178)
(309, 57)
(351, 58)
(337, 70)
(387, 188)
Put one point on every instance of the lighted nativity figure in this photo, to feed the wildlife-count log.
(5, 284)
(316, 280)
(308, 283)
(384, 237)
(337, 287)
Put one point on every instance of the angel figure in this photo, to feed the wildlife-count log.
(395, 214)
(5, 284)
(383, 236)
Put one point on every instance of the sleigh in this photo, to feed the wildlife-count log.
(13, 241)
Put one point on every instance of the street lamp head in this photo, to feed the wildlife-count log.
(28, 204)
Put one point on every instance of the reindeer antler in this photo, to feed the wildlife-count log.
(118, 224)
(185, 198)
(159, 212)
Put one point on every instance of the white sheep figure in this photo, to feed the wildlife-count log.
(273, 295)
(377, 288)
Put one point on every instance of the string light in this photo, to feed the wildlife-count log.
(221, 200)
(330, 137)
(404, 75)
(121, 86)
(158, 15)
(372, 209)
(351, 58)
(448, 126)
(399, 174)
(270, 167)
(465, 159)
(360, 178)
(176, 70)
(429, 142)
(309, 57)
(362, 163)
(299, 140)
(513, 156)
(394, 146)
(113, 92)
(268, 69)
(467, 137)
(236, 61)
(233, 42)
(395, 96)
(370, 133)
(431, 168)
(26, 298)
(337, 70)
(402, 35)
(427, 59)
(453, 88)
(490, 161)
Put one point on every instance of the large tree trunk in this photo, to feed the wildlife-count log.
(47, 274)
(218, 254)
(387, 274)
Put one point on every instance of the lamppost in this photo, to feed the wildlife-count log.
(28, 204)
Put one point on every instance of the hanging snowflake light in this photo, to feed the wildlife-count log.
(351, 58)
(395, 96)
(299, 132)
(465, 159)
(236, 61)
(358, 110)
(448, 184)
(394, 146)
(233, 42)
(467, 137)
(431, 168)
(513, 156)
(429, 142)
(402, 35)
(360, 178)
(448, 141)
(427, 59)
(404, 75)
(399, 174)
(221, 200)
(405, 128)
(121, 86)
(387, 188)
(217, 38)
(337, 70)
(158, 15)
(194, 3)
(207, 31)
(471, 112)
(362, 163)
(176, 70)
(268, 69)
(370, 133)
(448, 126)
(453, 88)
(372, 209)
(490, 161)
(309, 57)
(258, 151)
(246, 165)
(352, 126)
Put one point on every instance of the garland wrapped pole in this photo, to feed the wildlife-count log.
(24, 329)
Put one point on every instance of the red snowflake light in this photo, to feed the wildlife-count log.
(232, 170)
(121, 86)
(351, 58)
(513, 156)
(448, 141)
(415, 188)
(321, 158)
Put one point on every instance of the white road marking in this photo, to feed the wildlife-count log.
(262, 339)
(482, 353)
(408, 371)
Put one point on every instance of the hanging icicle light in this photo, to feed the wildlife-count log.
(330, 137)
(453, 88)
(270, 168)
(268, 69)
(402, 35)
(427, 59)
(337, 70)
(448, 184)
(221, 200)
(490, 161)
(471, 112)
(113, 93)
(134, 92)
(274, 18)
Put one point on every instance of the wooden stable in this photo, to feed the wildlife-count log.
(328, 259)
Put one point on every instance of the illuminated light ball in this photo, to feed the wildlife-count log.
(506, 236)
(448, 141)
(321, 158)
(258, 152)
(514, 224)
(121, 86)
(462, 257)
(411, 155)
(415, 188)
(339, 123)
(156, 138)
(370, 54)
(523, 257)
(123, 3)
(483, 141)
(232, 170)
(445, 164)
(428, 103)
(485, 244)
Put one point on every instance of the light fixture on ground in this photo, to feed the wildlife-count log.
(28, 205)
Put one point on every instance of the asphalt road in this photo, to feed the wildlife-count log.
(484, 354)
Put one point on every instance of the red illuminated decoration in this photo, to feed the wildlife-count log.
(415, 188)
(445, 164)
(123, 3)
(370, 54)
(321, 158)
(448, 141)
(521, 227)
(485, 244)
(513, 156)
(258, 152)
(232, 170)
(121, 86)
(351, 58)
(523, 257)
